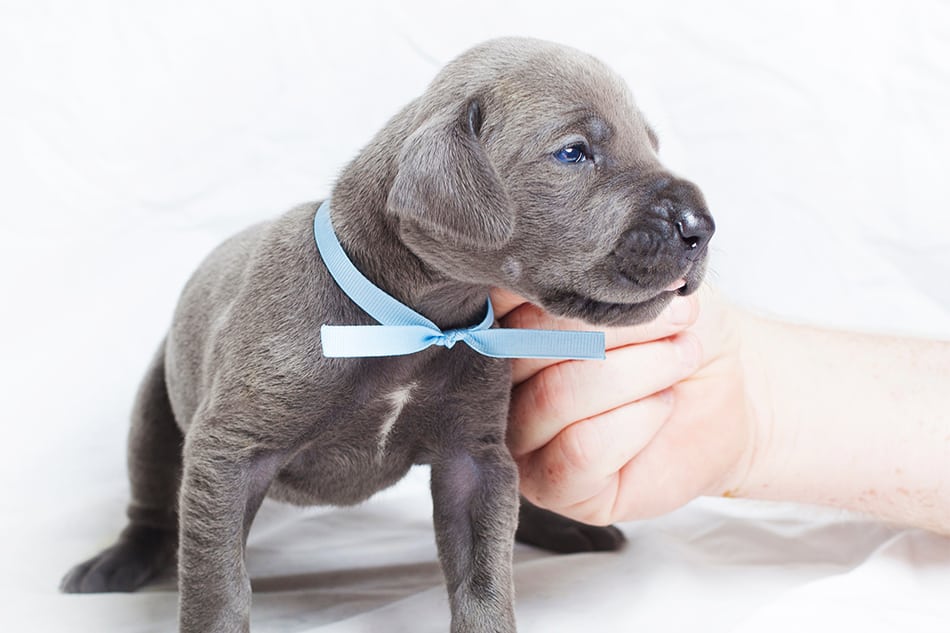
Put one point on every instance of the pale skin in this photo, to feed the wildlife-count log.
(709, 399)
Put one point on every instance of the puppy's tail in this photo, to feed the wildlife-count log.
(154, 451)
(148, 543)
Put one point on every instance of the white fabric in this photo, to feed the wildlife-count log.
(137, 136)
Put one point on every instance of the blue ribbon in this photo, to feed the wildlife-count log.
(405, 331)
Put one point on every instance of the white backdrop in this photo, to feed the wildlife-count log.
(135, 136)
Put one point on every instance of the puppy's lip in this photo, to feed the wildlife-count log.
(676, 285)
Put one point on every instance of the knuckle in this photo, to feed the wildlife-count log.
(579, 446)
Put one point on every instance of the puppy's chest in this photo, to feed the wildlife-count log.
(370, 443)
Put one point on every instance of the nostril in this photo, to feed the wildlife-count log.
(691, 240)
(695, 228)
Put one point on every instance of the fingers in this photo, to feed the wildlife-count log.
(598, 441)
(581, 465)
(546, 403)
(681, 313)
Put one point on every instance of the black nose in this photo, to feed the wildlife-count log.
(683, 204)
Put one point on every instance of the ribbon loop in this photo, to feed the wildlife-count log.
(405, 331)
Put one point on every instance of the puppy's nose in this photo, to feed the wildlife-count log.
(685, 208)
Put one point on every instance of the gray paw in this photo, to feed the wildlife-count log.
(140, 555)
(551, 531)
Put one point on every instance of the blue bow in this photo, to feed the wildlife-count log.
(405, 331)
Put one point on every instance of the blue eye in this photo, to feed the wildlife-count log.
(575, 153)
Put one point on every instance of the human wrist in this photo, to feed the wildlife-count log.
(800, 439)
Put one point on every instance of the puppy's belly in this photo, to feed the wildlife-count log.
(337, 475)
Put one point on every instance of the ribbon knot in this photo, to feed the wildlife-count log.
(450, 338)
(405, 331)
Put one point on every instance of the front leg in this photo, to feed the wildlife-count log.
(475, 506)
(223, 485)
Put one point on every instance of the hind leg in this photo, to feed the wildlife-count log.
(551, 531)
(148, 543)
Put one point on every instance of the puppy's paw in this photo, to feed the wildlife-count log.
(551, 531)
(139, 556)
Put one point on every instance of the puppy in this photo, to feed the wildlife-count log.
(524, 165)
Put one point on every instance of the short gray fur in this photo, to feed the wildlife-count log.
(459, 192)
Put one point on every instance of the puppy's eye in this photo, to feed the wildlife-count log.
(575, 153)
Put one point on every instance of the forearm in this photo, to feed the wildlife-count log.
(849, 420)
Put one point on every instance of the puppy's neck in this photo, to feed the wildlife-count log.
(370, 237)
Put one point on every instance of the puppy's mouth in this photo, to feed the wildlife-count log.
(644, 305)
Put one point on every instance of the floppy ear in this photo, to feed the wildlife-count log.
(447, 184)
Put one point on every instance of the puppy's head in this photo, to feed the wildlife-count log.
(530, 168)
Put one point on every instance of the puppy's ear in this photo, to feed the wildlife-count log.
(447, 184)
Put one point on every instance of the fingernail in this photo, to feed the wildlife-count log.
(681, 311)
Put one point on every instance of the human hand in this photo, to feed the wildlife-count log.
(664, 419)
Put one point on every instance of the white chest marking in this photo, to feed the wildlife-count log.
(397, 400)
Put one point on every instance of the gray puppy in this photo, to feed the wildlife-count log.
(524, 165)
